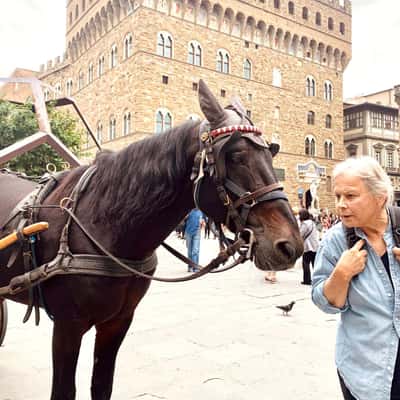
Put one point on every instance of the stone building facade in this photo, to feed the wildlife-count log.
(371, 127)
(133, 67)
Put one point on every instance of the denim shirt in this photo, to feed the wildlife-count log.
(369, 328)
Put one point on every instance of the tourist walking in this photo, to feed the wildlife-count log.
(194, 222)
(310, 235)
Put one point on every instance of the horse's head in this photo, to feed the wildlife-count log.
(235, 183)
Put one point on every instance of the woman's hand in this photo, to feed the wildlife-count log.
(396, 252)
(353, 260)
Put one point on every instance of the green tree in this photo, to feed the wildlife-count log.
(18, 122)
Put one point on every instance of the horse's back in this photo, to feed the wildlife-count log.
(12, 191)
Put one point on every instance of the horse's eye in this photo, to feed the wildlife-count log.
(238, 157)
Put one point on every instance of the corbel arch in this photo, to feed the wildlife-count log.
(238, 25)
(270, 35)
(261, 29)
(190, 10)
(93, 30)
(84, 45)
(329, 56)
(321, 53)
(111, 14)
(203, 14)
(303, 47)
(313, 49)
(294, 45)
(249, 28)
(98, 24)
(177, 8)
(215, 17)
(117, 9)
(344, 60)
(278, 40)
(287, 39)
(104, 20)
(336, 57)
(227, 21)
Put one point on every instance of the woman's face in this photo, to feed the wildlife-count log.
(355, 204)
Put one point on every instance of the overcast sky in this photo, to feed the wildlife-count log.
(33, 31)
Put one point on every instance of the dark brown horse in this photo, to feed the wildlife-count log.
(136, 197)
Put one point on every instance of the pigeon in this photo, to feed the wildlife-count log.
(286, 308)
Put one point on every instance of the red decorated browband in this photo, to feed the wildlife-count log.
(233, 128)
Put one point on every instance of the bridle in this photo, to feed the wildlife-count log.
(209, 162)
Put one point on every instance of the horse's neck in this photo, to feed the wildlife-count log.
(161, 203)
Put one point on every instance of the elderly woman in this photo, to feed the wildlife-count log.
(362, 283)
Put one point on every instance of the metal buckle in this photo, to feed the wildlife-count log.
(247, 248)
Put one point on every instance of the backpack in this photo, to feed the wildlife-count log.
(394, 215)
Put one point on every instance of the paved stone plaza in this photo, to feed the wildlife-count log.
(216, 338)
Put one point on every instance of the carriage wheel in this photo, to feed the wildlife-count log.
(3, 320)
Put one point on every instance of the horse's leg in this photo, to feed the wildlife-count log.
(67, 337)
(109, 337)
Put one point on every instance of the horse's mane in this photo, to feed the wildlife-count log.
(133, 182)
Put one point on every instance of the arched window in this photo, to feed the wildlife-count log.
(328, 149)
(164, 44)
(76, 11)
(90, 73)
(46, 94)
(305, 13)
(163, 120)
(127, 124)
(311, 118)
(291, 8)
(69, 87)
(70, 18)
(276, 77)
(328, 91)
(100, 66)
(342, 28)
(58, 90)
(318, 19)
(309, 146)
(99, 132)
(330, 23)
(277, 4)
(113, 56)
(83, 5)
(223, 61)
(310, 86)
(112, 128)
(128, 42)
(195, 53)
(389, 157)
(328, 121)
(247, 69)
(80, 80)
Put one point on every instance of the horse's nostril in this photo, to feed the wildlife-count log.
(284, 247)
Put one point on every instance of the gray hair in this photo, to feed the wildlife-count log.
(371, 173)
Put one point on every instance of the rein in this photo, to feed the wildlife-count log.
(205, 164)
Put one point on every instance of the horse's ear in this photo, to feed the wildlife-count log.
(237, 104)
(274, 148)
(212, 110)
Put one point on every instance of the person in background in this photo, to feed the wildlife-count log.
(361, 282)
(194, 222)
(310, 235)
